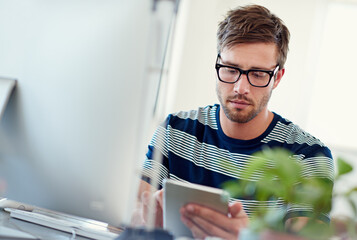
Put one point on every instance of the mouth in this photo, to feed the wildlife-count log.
(239, 104)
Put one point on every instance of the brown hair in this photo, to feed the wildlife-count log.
(252, 24)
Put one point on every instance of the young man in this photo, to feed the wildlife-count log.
(252, 50)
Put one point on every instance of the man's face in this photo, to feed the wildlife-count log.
(241, 102)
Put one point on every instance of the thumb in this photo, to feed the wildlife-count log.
(159, 197)
(236, 210)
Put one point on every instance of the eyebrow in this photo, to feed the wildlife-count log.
(254, 68)
(229, 63)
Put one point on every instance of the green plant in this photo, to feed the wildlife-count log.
(281, 177)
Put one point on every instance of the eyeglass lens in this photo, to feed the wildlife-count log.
(256, 78)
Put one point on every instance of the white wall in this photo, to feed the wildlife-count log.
(332, 114)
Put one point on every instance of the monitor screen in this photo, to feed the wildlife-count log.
(71, 134)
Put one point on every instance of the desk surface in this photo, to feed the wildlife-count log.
(36, 230)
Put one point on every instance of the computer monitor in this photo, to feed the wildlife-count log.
(71, 136)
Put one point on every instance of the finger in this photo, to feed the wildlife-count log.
(159, 197)
(236, 210)
(159, 207)
(145, 199)
(210, 228)
(219, 220)
(210, 216)
(197, 232)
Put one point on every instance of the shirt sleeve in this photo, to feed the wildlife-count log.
(156, 165)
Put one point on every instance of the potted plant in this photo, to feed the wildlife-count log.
(281, 178)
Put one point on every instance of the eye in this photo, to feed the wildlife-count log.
(228, 70)
(259, 74)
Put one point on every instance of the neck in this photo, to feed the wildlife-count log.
(246, 131)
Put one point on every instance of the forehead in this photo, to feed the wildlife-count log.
(262, 55)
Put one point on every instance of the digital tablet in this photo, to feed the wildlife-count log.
(178, 194)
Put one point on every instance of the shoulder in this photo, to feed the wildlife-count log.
(286, 131)
(290, 136)
(308, 149)
(203, 115)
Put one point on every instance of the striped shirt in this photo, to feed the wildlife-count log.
(194, 147)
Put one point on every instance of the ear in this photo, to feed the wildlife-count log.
(279, 76)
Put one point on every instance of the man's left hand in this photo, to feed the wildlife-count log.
(205, 222)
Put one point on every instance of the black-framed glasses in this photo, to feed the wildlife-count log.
(256, 77)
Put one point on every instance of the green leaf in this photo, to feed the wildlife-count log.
(233, 188)
(258, 165)
(343, 167)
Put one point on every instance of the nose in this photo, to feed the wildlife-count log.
(242, 86)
